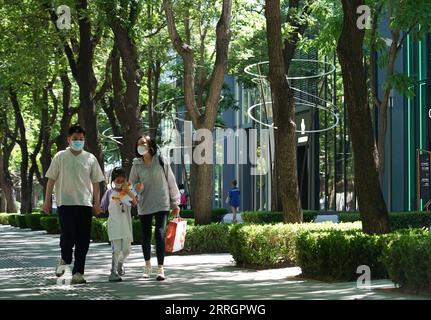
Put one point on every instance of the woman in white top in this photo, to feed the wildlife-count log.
(118, 201)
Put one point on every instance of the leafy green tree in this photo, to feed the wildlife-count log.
(194, 98)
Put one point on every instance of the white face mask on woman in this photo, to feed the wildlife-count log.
(142, 150)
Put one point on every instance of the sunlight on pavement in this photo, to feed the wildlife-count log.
(28, 258)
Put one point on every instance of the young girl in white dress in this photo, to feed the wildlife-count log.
(118, 201)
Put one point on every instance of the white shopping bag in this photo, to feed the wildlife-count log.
(175, 235)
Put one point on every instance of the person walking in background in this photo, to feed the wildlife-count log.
(183, 197)
(234, 199)
(118, 201)
(76, 175)
(153, 179)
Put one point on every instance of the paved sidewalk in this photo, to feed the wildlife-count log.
(27, 260)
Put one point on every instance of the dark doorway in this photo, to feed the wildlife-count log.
(302, 167)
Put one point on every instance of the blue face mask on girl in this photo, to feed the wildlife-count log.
(77, 145)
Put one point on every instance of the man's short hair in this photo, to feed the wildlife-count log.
(76, 128)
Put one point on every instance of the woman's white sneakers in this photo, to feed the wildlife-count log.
(147, 272)
(160, 274)
(61, 268)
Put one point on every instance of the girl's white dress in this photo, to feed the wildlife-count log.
(119, 220)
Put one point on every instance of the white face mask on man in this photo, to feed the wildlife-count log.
(142, 150)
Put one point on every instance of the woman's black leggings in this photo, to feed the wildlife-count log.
(146, 223)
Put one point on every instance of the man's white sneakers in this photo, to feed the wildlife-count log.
(78, 278)
(61, 268)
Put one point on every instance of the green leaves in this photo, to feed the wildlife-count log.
(402, 83)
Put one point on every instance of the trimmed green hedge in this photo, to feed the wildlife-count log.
(216, 214)
(212, 238)
(20, 221)
(5, 218)
(99, 230)
(336, 254)
(13, 219)
(407, 259)
(397, 220)
(273, 217)
(33, 221)
(262, 246)
(51, 224)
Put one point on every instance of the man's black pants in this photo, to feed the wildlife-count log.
(75, 222)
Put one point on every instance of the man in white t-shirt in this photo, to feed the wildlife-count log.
(76, 175)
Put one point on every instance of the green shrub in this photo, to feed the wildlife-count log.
(13, 220)
(51, 224)
(349, 216)
(4, 218)
(137, 231)
(337, 254)
(274, 217)
(262, 216)
(397, 220)
(20, 221)
(33, 221)
(407, 259)
(185, 213)
(99, 230)
(212, 238)
(404, 220)
(265, 245)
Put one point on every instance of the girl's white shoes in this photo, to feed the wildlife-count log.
(120, 270)
(114, 277)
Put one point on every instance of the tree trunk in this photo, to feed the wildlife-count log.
(372, 206)
(67, 112)
(7, 144)
(153, 78)
(2, 201)
(26, 185)
(6, 185)
(201, 192)
(131, 120)
(284, 117)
